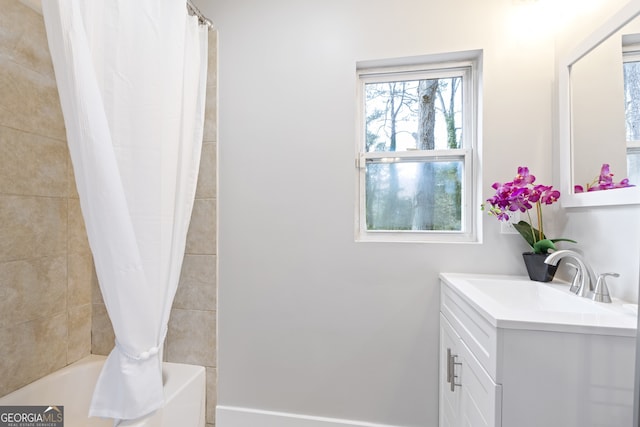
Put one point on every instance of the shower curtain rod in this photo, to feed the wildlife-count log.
(193, 10)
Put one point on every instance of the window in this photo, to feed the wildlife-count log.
(417, 150)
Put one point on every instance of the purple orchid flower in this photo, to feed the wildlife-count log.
(523, 177)
(604, 181)
(522, 194)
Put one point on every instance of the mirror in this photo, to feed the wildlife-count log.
(593, 133)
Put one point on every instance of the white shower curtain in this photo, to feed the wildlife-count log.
(131, 76)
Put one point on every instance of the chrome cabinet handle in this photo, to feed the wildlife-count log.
(451, 370)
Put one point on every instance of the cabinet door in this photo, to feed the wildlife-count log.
(473, 400)
(449, 399)
(480, 397)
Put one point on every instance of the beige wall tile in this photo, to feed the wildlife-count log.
(29, 95)
(211, 113)
(212, 64)
(79, 335)
(77, 240)
(212, 394)
(206, 188)
(192, 337)
(29, 101)
(96, 293)
(102, 336)
(23, 37)
(72, 191)
(197, 288)
(13, 13)
(201, 238)
(211, 116)
(32, 289)
(32, 164)
(32, 227)
(45, 295)
(80, 279)
(31, 350)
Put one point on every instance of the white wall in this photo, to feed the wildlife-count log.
(309, 321)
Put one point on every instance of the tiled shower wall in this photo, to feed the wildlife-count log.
(51, 310)
(45, 265)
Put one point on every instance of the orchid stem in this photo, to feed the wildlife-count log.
(539, 212)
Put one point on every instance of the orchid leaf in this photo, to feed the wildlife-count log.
(563, 240)
(531, 234)
(543, 246)
(528, 232)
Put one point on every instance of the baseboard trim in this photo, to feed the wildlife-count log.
(232, 416)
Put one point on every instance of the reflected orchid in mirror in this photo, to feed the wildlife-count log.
(522, 194)
(603, 182)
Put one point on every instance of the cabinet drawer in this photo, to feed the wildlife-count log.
(474, 330)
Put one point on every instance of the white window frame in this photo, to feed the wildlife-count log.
(464, 64)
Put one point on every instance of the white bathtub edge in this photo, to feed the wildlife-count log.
(72, 387)
(232, 416)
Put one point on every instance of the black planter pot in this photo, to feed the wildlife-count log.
(537, 269)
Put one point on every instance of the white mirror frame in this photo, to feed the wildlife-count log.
(619, 196)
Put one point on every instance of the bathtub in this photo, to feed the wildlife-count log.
(72, 387)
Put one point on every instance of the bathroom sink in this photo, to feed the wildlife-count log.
(523, 294)
(517, 302)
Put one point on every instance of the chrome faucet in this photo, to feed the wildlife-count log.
(585, 277)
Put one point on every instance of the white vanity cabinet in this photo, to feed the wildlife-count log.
(511, 363)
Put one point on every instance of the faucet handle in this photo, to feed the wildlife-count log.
(575, 283)
(601, 292)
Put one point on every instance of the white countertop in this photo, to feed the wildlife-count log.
(516, 302)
